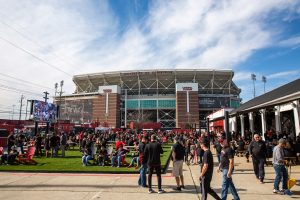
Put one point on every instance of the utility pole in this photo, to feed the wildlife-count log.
(21, 105)
(47, 122)
(60, 93)
(253, 78)
(46, 96)
(26, 109)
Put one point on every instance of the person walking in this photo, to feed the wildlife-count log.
(226, 167)
(206, 172)
(38, 144)
(280, 170)
(63, 143)
(143, 170)
(11, 141)
(54, 141)
(47, 145)
(152, 155)
(258, 151)
(218, 148)
(178, 152)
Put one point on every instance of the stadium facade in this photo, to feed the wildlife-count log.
(171, 98)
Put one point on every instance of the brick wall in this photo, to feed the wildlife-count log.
(113, 117)
(182, 117)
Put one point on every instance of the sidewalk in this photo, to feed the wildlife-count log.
(248, 187)
(36, 186)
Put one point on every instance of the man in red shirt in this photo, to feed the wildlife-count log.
(118, 143)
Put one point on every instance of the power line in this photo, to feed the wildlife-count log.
(4, 106)
(6, 88)
(17, 89)
(23, 81)
(10, 112)
(34, 42)
(34, 56)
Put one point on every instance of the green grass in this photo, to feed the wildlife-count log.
(72, 163)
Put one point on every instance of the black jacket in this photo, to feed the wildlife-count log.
(142, 147)
(152, 154)
(258, 149)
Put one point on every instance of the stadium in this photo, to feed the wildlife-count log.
(177, 98)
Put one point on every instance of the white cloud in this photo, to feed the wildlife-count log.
(60, 28)
(174, 34)
(285, 74)
(242, 75)
(212, 34)
(290, 42)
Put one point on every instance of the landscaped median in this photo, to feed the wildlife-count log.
(72, 163)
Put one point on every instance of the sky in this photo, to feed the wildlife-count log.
(45, 41)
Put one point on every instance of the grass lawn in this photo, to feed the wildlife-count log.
(72, 163)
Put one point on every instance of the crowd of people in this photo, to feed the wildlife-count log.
(191, 147)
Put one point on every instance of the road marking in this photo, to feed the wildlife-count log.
(97, 195)
(68, 174)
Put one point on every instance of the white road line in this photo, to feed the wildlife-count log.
(98, 194)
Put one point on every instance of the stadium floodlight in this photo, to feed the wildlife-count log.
(56, 86)
(253, 78)
(264, 80)
(60, 93)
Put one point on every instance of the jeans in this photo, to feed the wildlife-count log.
(54, 151)
(158, 174)
(135, 160)
(62, 147)
(219, 157)
(119, 159)
(281, 173)
(143, 179)
(86, 158)
(227, 183)
(21, 147)
(259, 167)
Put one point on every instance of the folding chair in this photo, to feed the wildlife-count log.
(28, 157)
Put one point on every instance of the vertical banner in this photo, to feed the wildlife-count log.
(187, 102)
(106, 105)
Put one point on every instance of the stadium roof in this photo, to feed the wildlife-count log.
(281, 95)
(158, 79)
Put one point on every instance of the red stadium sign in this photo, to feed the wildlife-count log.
(107, 90)
(187, 88)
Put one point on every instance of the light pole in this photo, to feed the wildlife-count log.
(253, 78)
(60, 93)
(55, 86)
(13, 112)
(264, 80)
(21, 105)
(125, 120)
